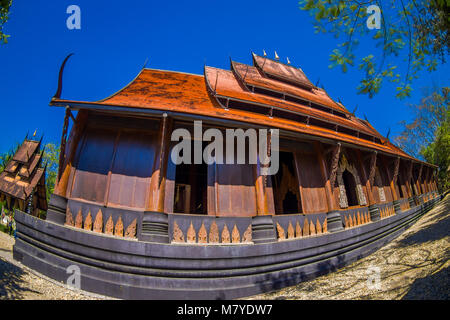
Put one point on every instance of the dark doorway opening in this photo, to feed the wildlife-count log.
(350, 188)
(191, 184)
(286, 191)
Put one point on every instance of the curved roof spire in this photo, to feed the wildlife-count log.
(61, 70)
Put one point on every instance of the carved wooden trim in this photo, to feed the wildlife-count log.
(235, 235)
(334, 165)
(291, 232)
(225, 235)
(131, 229)
(373, 166)
(202, 234)
(396, 170)
(118, 229)
(98, 224)
(191, 236)
(213, 233)
(298, 230)
(88, 222)
(177, 233)
(109, 227)
(79, 220)
(69, 218)
(280, 232)
(247, 237)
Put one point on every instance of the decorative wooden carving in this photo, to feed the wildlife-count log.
(247, 237)
(79, 220)
(177, 233)
(98, 223)
(318, 227)
(347, 223)
(280, 232)
(214, 233)
(88, 222)
(396, 168)
(344, 164)
(291, 232)
(191, 236)
(69, 218)
(373, 166)
(131, 230)
(118, 229)
(312, 228)
(305, 230)
(359, 218)
(202, 234)
(109, 227)
(334, 164)
(325, 226)
(298, 230)
(225, 235)
(235, 236)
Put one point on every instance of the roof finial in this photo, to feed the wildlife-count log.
(288, 61)
(276, 56)
(145, 64)
(60, 79)
(264, 53)
(34, 134)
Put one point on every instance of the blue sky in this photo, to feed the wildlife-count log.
(117, 37)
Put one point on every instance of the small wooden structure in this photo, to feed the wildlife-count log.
(22, 183)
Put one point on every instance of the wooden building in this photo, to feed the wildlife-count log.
(22, 183)
(340, 183)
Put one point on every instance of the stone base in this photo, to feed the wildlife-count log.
(334, 221)
(374, 212)
(155, 227)
(263, 230)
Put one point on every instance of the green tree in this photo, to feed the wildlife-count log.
(5, 5)
(6, 157)
(417, 30)
(51, 159)
(428, 135)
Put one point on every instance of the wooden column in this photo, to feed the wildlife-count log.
(419, 177)
(70, 150)
(261, 195)
(158, 179)
(334, 222)
(365, 178)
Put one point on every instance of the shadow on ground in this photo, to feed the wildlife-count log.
(430, 288)
(437, 227)
(11, 283)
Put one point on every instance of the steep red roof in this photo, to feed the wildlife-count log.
(282, 71)
(205, 95)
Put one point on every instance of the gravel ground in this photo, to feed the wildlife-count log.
(413, 266)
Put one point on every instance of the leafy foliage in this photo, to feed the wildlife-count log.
(417, 30)
(428, 135)
(51, 159)
(5, 157)
(5, 5)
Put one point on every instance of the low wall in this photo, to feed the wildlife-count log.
(132, 269)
